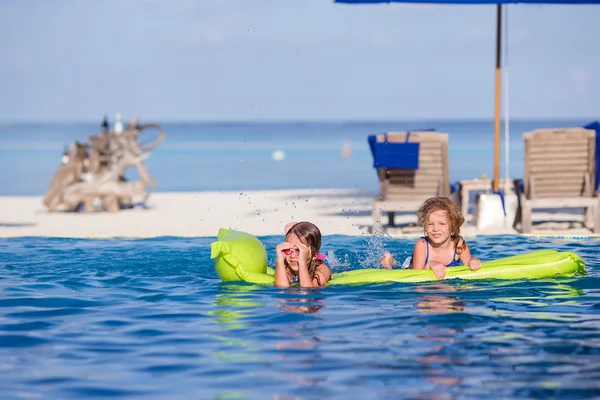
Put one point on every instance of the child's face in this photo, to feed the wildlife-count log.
(292, 256)
(438, 226)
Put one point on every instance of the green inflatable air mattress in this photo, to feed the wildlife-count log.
(240, 256)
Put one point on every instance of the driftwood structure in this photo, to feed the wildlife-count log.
(91, 174)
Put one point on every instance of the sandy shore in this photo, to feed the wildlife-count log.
(345, 212)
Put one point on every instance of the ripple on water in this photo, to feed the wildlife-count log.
(11, 341)
(26, 326)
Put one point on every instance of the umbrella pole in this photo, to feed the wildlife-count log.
(497, 102)
(507, 185)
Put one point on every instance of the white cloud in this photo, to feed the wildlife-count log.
(209, 35)
(579, 81)
(477, 32)
(184, 4)
(216, 36)
(381, 40)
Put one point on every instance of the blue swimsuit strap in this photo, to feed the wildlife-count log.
(451, 264)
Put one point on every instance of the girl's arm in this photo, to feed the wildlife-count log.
(322, 275)
(467, 259)
(465, 255)
(419, 254)
(303, 275)
(281, 277)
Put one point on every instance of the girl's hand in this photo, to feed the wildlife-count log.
(388, 261)
(474, 263)
(281, 247)
(304, 251)
(438, 269)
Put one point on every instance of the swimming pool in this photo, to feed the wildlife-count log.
(149, 318)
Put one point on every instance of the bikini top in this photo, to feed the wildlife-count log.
(454, 261)
(322, 257)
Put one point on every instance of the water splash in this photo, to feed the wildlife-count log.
(336, 264)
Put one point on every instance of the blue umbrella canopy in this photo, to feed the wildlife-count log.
(498, 50)
(472, 1)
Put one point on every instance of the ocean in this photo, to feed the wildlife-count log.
(150, 318)
(225, 156)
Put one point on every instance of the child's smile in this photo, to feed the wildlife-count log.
(438, 227)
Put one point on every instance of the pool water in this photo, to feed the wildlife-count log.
(150, 318)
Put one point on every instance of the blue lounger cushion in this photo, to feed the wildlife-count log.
(395, 155)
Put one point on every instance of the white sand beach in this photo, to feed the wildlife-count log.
(345, 212)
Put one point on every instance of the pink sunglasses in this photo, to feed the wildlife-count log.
(287, 252)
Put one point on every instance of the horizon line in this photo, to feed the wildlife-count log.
(297, 121)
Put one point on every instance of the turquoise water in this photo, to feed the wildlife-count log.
(150, 319)
(238, 156)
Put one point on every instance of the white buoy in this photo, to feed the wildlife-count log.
(118, 125)
(278, 155)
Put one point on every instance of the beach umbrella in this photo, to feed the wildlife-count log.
(498, 4)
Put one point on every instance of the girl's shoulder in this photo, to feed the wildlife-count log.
(323, 266)
(461, 241)
(322, 271)
(323, 259)
(421, 242)
(460, 245)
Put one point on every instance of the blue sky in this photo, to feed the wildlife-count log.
(198, 60)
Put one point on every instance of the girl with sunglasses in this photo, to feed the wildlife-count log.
(298, 258)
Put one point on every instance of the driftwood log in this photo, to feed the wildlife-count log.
(93, 172)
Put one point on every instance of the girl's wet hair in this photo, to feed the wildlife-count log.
(453, 212)
(310, 235)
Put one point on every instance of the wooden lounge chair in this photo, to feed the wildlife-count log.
(405, 189)
(559, 173)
